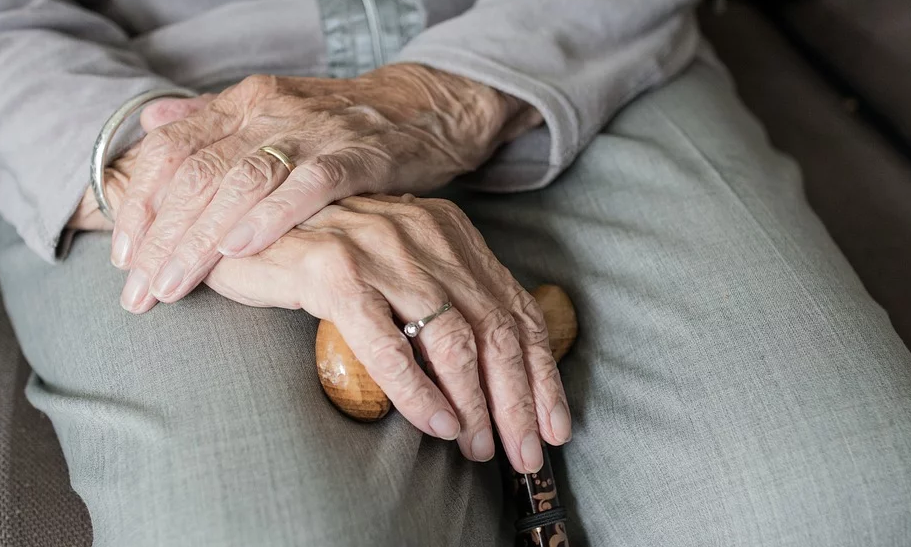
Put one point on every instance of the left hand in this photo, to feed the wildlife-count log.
(363, 261)
(202, 188)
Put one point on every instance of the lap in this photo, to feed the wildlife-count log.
(733, 382)
(203, 422)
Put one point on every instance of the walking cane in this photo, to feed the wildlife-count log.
(542, 520)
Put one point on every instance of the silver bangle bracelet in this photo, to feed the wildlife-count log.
(106, 136)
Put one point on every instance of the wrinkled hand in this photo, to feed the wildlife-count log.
(117, 175)
(202, 189)
(365, 260)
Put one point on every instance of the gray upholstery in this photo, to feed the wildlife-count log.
(858, 183)
(856, 180)
(37, 505)
(867, 43)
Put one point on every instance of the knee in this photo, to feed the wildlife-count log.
(844, 484)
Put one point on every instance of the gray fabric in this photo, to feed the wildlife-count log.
(867, 43)
(734, 384)
(856, 180)
(576, 63)
(37, 505)
(64, 69)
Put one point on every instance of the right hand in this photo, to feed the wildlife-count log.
(361, 260)
(364, 261)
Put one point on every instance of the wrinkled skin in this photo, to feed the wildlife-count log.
(362, 261)
(201, 188)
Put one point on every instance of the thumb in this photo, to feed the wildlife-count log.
(165, 111)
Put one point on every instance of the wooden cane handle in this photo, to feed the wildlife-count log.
(351, 389)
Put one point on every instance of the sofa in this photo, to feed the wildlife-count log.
(831, 81)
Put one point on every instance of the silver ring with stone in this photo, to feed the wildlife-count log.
(414, 328)
(106, 136)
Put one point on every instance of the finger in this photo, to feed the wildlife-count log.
(135, 297)
(161, 153)
(254, 177)
(501, 363)
(367, 327)
(195, 182)
(165, 111)
(448, 344)
(509, 395)
(309, 188)
(546, 385)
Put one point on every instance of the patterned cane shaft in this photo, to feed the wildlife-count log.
(542, 520)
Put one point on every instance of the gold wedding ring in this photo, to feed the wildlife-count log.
(280, 156)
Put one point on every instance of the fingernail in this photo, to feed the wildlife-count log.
(236, 240)
(532, 455)
(135, 290)
(168, 279)
(120, 250)
(482, 448)
(560, 423)
(445, 425)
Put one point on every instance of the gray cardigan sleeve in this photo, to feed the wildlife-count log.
(63, 70)
(578, 62)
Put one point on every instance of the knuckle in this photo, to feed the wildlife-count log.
(457, 352)
(367, 114)
(531, 317)
(165, 143)
(258, 83)
(249, 175)
(325, 171)
(170, 109)
(520, 410)
(198, 244)
(549, 376)
(477, 409)
(223, 106)
(382, 228)
(157, 141)
(134, 210)
(391, 356)
(502, 332)
(419, 396)
(153, 249)
(541, 364)
(339, 258)
(198, 172)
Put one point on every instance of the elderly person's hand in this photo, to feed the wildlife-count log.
(117, 175)
(365, 260)
(202, 188)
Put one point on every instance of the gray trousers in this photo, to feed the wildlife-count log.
(733, 385)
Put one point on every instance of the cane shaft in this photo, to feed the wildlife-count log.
(541, 518)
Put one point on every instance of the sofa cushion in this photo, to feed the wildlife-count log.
(867, 43)
(37, 505)
(856, 180)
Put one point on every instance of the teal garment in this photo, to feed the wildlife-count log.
(361, 35)
(733, 383)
